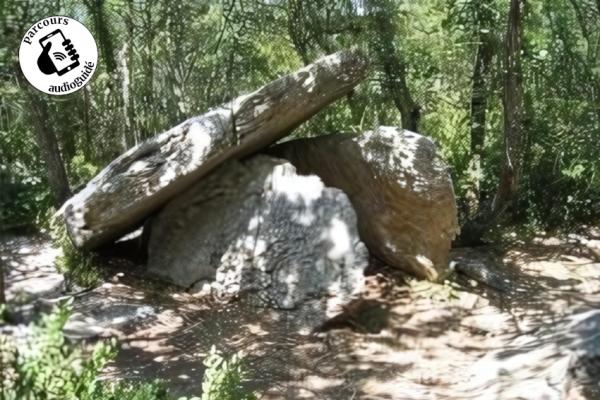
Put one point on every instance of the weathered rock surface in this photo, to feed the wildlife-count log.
(256, 226)
(399, 186)
(143, 179)
(111, 309)
(561, 354)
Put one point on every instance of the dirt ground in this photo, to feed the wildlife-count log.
(403, 339)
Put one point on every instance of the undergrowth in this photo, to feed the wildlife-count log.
(47, 366)
(78, 267)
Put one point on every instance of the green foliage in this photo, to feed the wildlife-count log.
(77, 266)
(24, 194)
(48, 367)
(81, 170)
(165, 61)
(223, 378)
(131, 391)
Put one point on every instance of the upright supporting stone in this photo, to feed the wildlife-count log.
(256, 227)
(399, 186)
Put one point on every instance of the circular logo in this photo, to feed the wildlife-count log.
(58, 55)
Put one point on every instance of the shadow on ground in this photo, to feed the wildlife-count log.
(402, 339)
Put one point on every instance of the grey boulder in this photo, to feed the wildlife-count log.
(256, 227)
(399, 186)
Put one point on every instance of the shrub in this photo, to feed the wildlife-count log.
(128, 391)
(49, 367)
(77, 266)
(223, 378)
(81, 170)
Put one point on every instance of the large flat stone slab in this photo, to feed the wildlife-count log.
(137, 183)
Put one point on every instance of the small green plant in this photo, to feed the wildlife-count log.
(49, 367)
(437, 291)
(127, 391)
(223, 378)
(77, 266)
(81, 170)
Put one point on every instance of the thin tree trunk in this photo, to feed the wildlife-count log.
(128, 136)
(87, 147)
(131, 115)
(96, 9)
(46, 140)
(510, 172)
(481, 86)
(149, 126)
(296, 29)
(393, 65)
(513, 111)
(2, 289)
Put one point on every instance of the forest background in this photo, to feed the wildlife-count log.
(508, 89)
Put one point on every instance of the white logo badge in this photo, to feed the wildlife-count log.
(58, 55)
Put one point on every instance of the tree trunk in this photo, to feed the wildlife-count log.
(149, 118)
(513, 111)
(140, 181)
(131, 113)
(87, 140)
(394, 67)
(2, 289)
(46, 140)
(513, 132)
(296, 29)
(593, 47)
(481, 86)
(128, 136)
(103, 35)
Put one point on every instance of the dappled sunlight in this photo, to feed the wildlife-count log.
(339, 236)
(397, 338)
(334, 258)
(31, 273)
(304, 190)
(400, 190)
(295, 199)
(284, 239)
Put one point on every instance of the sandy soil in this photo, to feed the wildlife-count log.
(403, 339)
